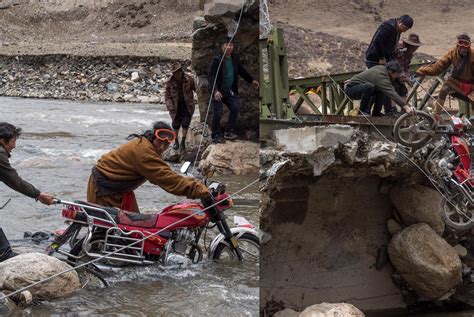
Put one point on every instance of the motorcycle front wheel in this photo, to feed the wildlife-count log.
(414, 130)
(249, 246)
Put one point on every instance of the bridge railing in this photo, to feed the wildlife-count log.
(276, 87)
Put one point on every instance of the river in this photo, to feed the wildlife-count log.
(60, 143)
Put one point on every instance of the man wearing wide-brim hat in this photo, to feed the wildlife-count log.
(406, 49)
(403, 55)
(179, 100)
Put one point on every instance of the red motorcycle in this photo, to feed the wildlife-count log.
(448, 164)
(170, 237)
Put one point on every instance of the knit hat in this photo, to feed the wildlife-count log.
(464, 36)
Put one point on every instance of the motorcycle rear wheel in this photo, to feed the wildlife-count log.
(249, 245)
(89, 271)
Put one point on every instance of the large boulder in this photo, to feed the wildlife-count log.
(418, 204)
(426, 261)
(29, 268)
(220, 19)
(324, 310)
(237, 158)
(332, 310)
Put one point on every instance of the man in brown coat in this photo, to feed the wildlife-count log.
(462, 76)
(8, 175)
(180, 101)
(118, 173)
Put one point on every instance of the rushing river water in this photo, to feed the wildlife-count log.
(61, 142)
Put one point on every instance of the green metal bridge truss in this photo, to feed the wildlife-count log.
(276, 86)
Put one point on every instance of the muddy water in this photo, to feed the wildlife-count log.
(61, 142)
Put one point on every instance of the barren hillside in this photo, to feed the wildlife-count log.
(161, 27)
(334, 34)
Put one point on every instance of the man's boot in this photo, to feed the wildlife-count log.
(176, 145)
(5, 250)
(183, 144)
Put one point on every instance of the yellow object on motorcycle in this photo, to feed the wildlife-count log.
(234, 242)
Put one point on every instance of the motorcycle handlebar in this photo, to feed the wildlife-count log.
(212, 211)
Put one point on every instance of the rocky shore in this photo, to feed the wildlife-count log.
(118, 79)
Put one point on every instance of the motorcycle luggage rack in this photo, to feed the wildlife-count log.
(90, 218)
(134, 252)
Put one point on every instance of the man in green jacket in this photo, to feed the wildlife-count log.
(8, 175)
(376, 82)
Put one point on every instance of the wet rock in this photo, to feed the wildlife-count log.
(112, 88)
(172, 155)
(128, 82)
(417, 204)
(426, 261)
(195, 135)
(135, 77)
(238, 158)
(287, 313)
(128, 97)
(393, 227)
(332, 309)
(25, 269)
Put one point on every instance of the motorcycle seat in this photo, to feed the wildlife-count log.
(137, 219)
(113, 212)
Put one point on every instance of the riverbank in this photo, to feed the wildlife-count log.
(93, 78)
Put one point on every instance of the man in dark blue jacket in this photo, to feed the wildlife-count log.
(384, 42)
(226, 89)
(383, 46)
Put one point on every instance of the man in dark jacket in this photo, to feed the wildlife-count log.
(376, 83)
(384, 42)
(226, 89)
(8, 175)
(180, 101)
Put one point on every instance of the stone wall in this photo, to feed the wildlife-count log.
(208, 32)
